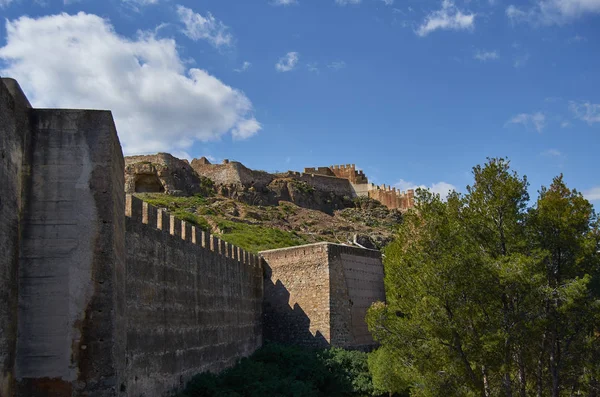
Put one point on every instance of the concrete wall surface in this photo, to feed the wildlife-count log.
(14, 140)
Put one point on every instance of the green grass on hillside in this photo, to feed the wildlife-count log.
(256, 238)
(252, 238)
(183, 208)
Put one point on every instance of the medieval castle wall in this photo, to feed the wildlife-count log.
(103, 295)
(318, 295)
(193, 301)
(232, 173)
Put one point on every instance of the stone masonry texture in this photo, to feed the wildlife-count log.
(317, 295)
(190, 309)
(104, 295)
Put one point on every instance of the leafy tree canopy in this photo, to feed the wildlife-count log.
(488, 296)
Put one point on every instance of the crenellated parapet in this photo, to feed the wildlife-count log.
(347, 171)
(391, 197)
(141, 211)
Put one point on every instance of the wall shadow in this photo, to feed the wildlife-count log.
(284, 324)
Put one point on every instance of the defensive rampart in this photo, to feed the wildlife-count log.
(193, 301)
(318, 295)
(94, 303)
(102, 295)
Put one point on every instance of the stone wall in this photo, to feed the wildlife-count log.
(103, 295)
(14, 149)
(317, 295)
(348, 171)
(296, 304)
(232, 173)
(63, 183)
(160, 173)
(193, 301)
(392, 198)
(338, 186)
(94, 303)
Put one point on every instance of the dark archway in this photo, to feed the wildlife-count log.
(148, 184)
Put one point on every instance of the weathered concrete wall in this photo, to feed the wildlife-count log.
(14, 147)
(193, 302)
(317, 295)
(71, 274)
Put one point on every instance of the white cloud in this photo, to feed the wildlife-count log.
(78, 61)
(536, 120)
(441, 188)
(486, 55)
(337, 65)
(313, 67)
(449, 17)
(288, 62)
(586, 111)
(346, 2)
(245, 66)
(198, 27)
(284, 2)
(388, 2)
(5, 3)
(592, 194)
(549, 12)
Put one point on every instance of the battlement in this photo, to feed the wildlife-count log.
(391, 197)
(347, 171)
(140, 211)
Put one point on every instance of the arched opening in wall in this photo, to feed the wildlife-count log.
(148, 184)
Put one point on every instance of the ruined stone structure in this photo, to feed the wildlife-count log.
(103, 295)
(390, 197)
(318, 295)
(160, 173)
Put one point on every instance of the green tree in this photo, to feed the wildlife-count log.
(486, 297)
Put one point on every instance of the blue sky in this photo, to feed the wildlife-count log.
(413, 92)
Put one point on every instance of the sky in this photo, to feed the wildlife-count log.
(414, 92)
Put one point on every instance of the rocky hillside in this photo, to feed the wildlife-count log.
(284, 213)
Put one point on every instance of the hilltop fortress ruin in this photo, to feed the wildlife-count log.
(334, 185)
(104, 295)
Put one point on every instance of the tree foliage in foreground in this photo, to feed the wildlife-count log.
(276, 370)
(487, 297)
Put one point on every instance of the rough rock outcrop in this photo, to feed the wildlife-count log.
(163, 173)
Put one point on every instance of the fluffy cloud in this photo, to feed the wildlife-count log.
(441, 188)
(449, 17)
(586, 111)
(284, 2)
(537, 120)
(198, 27)
(346, 2)
(553, 11)
(78, 61)
(486, 55)
(288, 62)
(592, 194)
(388, 2)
